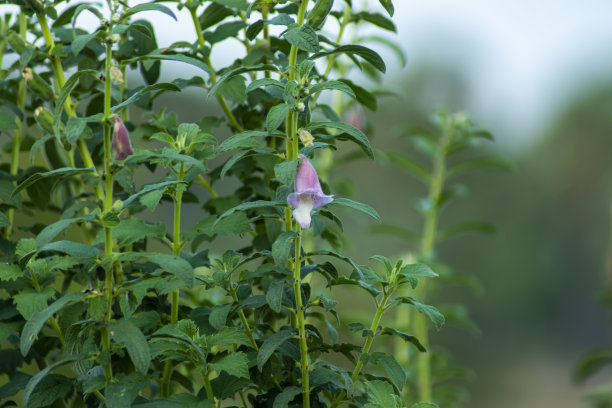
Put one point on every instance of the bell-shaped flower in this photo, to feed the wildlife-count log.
(121, 145)
(308, 195)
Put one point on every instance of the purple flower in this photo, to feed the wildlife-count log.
(121, 145)
(308, 195)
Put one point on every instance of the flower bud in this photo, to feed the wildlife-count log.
(116, 18)
(121, 145)
(306, 138)
(300, 106)
(115, 38)
(116, 75)
(27, 74)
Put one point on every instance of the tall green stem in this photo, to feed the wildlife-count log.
(380, 309)
(174, 297)
(60, 80)
(213, 76)
(107, 206)
(20, 126)
(428, 241)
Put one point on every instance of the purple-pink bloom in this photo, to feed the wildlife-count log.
(308, 195)
(121, 145)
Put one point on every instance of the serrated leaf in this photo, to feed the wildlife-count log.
(364, 208)
(236, 364)
(173, 264)
(283, 399)
(123, 331)
(30, 388)
(228, 336)
(29, 301)
(239, 139)
(38, 319)
(413, 272)
(276, 116)
(380, 393)
(9, 272)
(354, 133)
(282, 246)
(430, 311)
(133, 230)
(218, 315)
(274, 295)
(286, 171)
(75, 249)
(52, 230)
(269, 346)
(160, 87)
(303, 37)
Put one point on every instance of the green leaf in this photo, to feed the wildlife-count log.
(354, 133)
(36, 177)
(390, 365)
(75, 249)
(52, 230)
(237, 4)
(394, 230)
(274, 295)
(276, 116)
(388, 5)
(384, 261)
(413, 272)
(283, 399)
(404, 336)
(51, 388)
(282, 246)
(7, 121)
(218, 315)
(364, 208)
(303, 37)
(238, 139)
(155, 55)
(381, 394)
(250, 206)
(228, 336)
(123, 331)
(224, 31)
(123, 392)
(38, 319)
(160, 86)
(234, 89)
(424, 405)
(149, 7)
(147, 189)
(17, 383)
(173, 264)
(434, 315)
(236, 364)
(377, 19)
(286, 171)
(81, 41)
(591, 363)
(264, 82)
(31, 395)
(133, 230)
(9, 272)
(362, 95)
(269, 346)
(367, 54)
(332, 85)
(409, 165)
(29, 301)
(4, 221)
(237, 71)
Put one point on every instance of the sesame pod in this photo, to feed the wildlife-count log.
(40, 86)
(16, 42)
(44, 119)
(318, 14)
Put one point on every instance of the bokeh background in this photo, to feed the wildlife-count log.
(538, 75)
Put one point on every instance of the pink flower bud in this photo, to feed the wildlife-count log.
(121, 145)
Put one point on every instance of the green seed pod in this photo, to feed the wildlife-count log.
(318, 14)
(16, 42)
(44, 118)
(40, 86)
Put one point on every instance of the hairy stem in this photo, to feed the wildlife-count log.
(19, 131)
(299, 309)
(213, 77)
(176, 251)
(426, 250)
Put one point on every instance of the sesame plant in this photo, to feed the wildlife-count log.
(103, 307)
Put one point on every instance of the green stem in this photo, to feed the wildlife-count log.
(426, 250)
(207, 186)
(266, 36)
(243, 319)
(107, 205)
(19, 131)
(380, 309)
(299, 309)
(213, 77)
(176, 251)
(60, 80)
